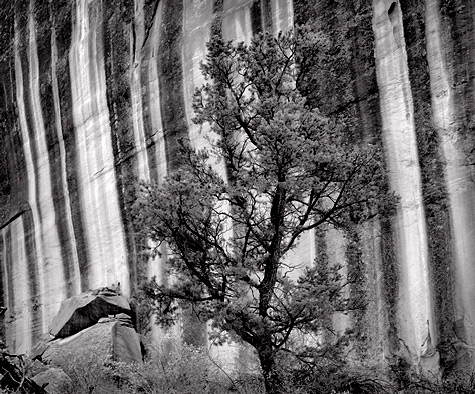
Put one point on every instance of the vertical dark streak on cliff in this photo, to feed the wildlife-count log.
(118, 21)
(3, 277)
(266, 16)
(12, 164)
(3, 281)
(365, 119)
(368, 109)
(42, 19)
(170, 76)
(62, 12)
(22, 23)
(322, 263)
(433, 184)
(256, 17)
(32, 268)
(458, 19)
(22, 14)
(16, 168)
(334, 76)
(6, 109)
(359, 297)
(458, 40)
(216, 24)
(175, 129)
(363, 68)
(217, 6)
(390, 280)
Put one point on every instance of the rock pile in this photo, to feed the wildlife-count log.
(94, 325)
(98, 321)
(84, 310)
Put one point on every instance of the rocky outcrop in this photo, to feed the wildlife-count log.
(111, 339)
(95, 324)
(86, 309)
(95, 95)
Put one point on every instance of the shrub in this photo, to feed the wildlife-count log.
(171, 369)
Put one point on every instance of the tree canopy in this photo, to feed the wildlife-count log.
(275, 168)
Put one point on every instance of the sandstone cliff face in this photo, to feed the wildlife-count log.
(94, 94)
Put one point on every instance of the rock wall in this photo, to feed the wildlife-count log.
(94, 94)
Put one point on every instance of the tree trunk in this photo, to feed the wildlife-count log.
(272, 378)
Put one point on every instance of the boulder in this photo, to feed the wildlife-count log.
(111, 339)
(126, 342)
(36, 367)
(53, 381)
(84, 310)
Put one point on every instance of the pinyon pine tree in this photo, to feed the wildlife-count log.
(275, 168)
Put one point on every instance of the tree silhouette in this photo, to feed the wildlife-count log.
(285, 169)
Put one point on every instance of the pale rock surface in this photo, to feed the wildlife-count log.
(109, 340)
(97, 178)
(237, 20)
(282, 15)
(415, 307)
(196, 25)
(18, 315)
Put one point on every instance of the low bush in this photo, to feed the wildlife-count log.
(170, 369)
(184, 369)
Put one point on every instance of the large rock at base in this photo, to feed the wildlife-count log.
(54, 381)
(112, 339)
(84, 310)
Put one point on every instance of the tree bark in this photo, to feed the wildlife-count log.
(272, 378)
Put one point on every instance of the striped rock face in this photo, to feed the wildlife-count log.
(95, 94)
